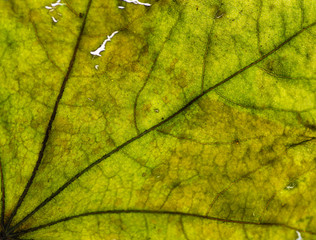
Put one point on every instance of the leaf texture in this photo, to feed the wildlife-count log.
(196, 122)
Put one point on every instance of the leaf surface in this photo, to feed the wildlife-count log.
(196, 122)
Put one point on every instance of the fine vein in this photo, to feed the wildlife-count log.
(185, 107)
(50, 123)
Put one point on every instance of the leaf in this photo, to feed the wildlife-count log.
(197, 122)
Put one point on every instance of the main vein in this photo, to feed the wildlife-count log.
(186, 106)
(2, 195)
(159, 212)
(50, 123)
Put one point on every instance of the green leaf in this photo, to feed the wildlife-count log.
(198, 120)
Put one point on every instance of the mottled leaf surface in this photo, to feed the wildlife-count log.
(198, 121)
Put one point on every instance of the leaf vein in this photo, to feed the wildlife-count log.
(151, 129)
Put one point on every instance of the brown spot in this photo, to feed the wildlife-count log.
(147, 107)
(110, 142)
(181, 79)
(171, 68)
(270, 66)
(236, 141)
(165, 99)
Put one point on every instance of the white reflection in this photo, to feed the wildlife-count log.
(102, 47)
(54, 19)
(137, 2)
(54, 5)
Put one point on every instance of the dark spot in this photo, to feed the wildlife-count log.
(270, 66)
(311, 126)
(162, 118)
(176, 184)
(236, 141)
(10, 44)
(81, 15)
